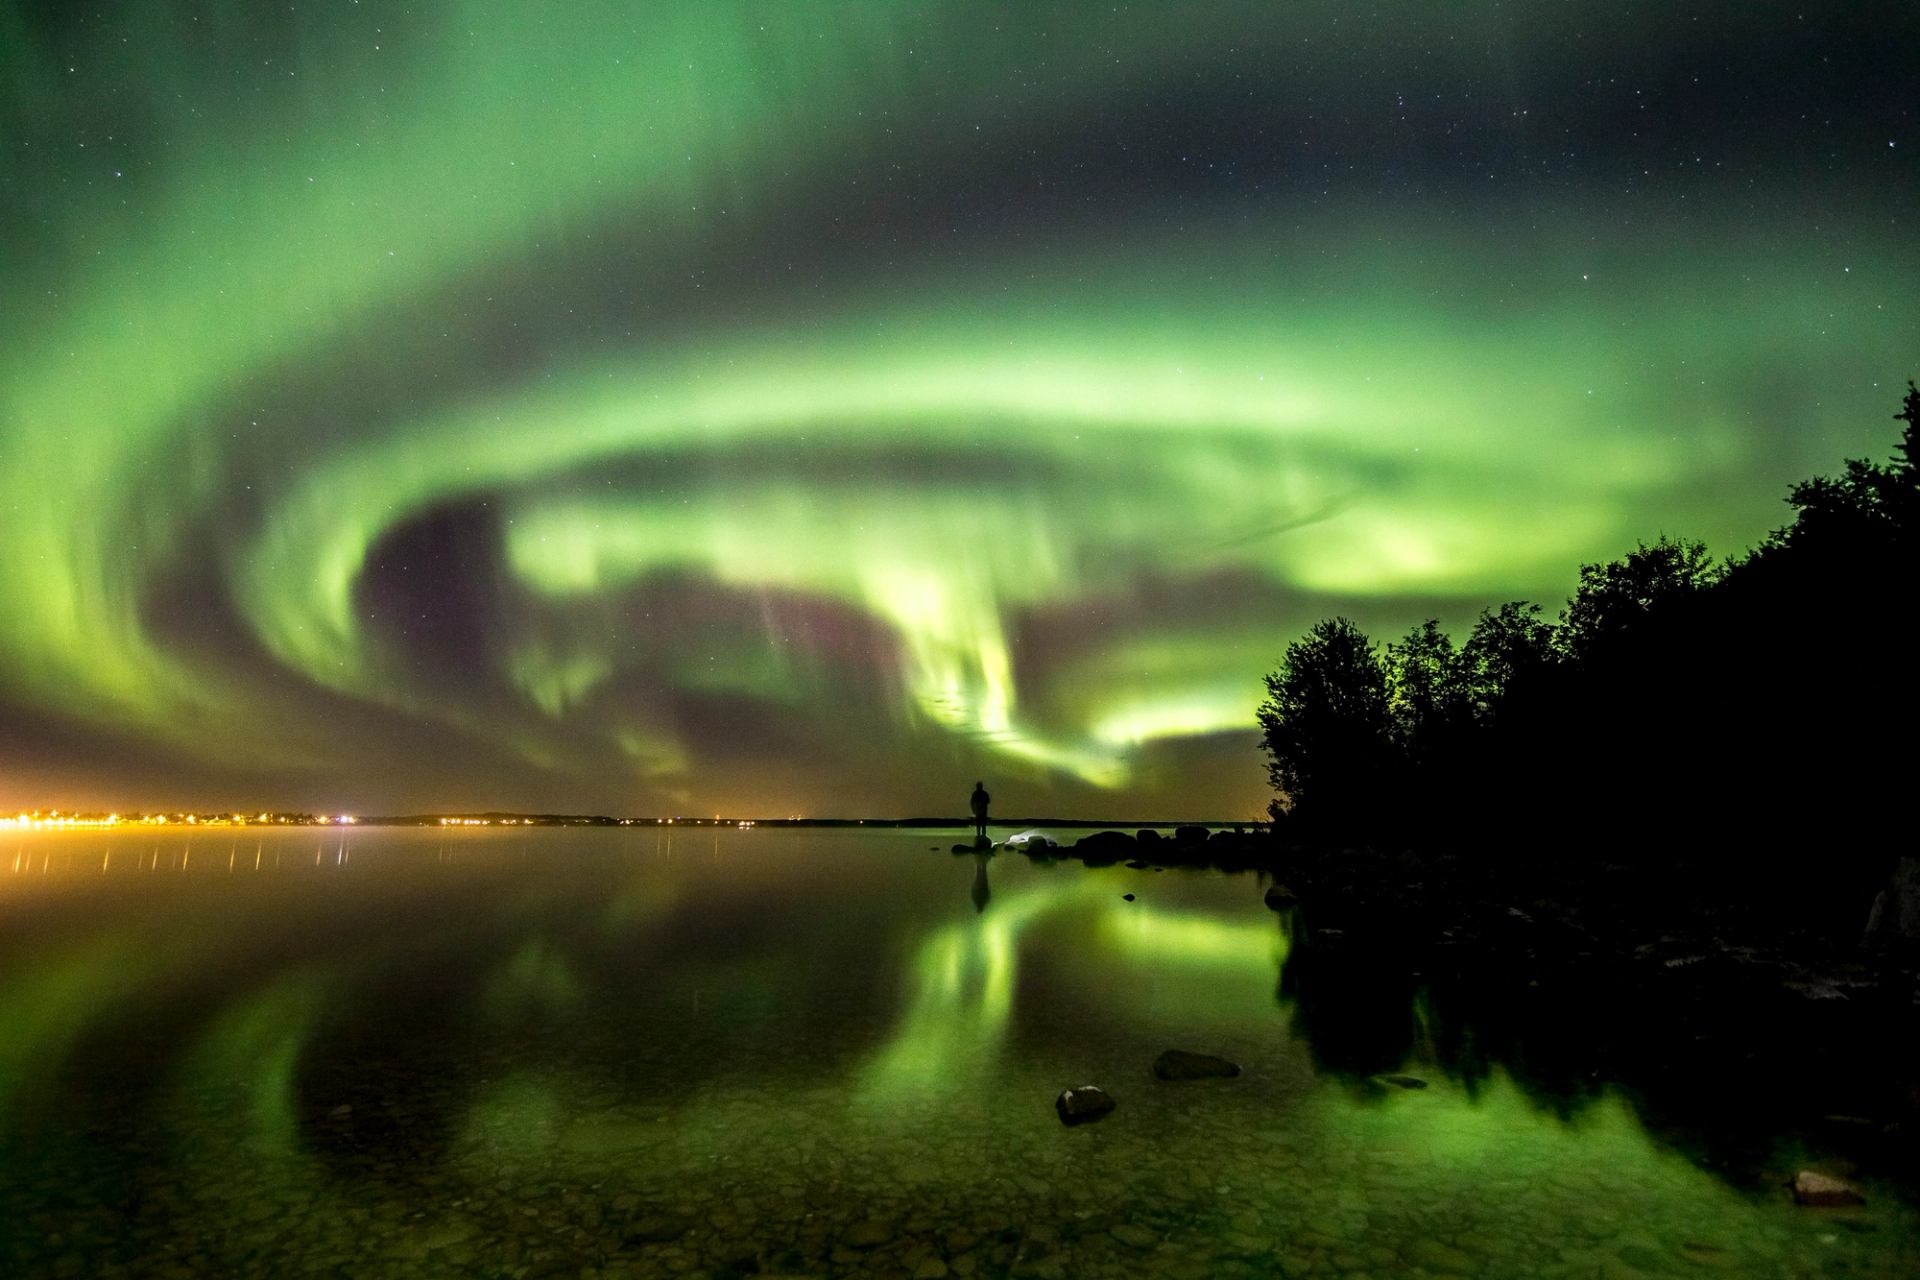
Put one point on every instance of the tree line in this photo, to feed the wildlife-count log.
(1708, 715)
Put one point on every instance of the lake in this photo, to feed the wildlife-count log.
(720, 1052)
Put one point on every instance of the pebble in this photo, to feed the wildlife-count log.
(1824, 1191)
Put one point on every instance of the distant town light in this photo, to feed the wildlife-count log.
(55, 822)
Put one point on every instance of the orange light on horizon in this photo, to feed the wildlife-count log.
(54, 822)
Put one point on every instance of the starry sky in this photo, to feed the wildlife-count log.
(811, 408)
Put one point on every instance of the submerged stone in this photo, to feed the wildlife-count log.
(1179, 1064)
(1083, 1105)
(656, 1228)
(1441, 1259)
(1704, 1253)
(1822, 1191)
(1402, 1081)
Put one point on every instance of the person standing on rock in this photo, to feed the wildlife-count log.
(980, 802)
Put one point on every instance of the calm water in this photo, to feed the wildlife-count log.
(700, 1052)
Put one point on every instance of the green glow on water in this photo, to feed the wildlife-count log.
(241, 1078)
(745, 1043)
(956, 1018)
(1158, 937)
(44, 1010)
(533, 982)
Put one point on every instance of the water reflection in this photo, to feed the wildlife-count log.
(961, 996)
(744, 1048)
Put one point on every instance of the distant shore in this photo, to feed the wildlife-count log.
(56, 819)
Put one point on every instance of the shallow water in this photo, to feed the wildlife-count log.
(706, 1051)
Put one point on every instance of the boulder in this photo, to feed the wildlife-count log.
(1179, 1064)
(1147, 835)
(1104, 848)
(1279, 897)
(1895, 919)
(1189, 835)
(1822, 1191)
(1083, 1105)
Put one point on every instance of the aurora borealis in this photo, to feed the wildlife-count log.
(813, 407)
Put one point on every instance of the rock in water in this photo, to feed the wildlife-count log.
(1404, 1082)
(1178, 1064)
(1279, 897)
(1823, 1192)
(1895, 920)
(1083, 1105)
(656, 1228)
(870, 1233)
(1189, 835)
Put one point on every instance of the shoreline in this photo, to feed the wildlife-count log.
(1709, 1016)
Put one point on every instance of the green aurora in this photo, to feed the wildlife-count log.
(810, 408)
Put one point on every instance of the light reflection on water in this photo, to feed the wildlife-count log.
(726, 1052)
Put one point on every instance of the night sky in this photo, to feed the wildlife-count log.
(800, 407)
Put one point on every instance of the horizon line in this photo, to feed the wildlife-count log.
(102, 819)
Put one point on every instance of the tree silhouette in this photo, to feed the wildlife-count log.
(1615, 597)
(1430, 696)
(1870, 507)
(1327, 727)
(1509, 650)
(1700, 725)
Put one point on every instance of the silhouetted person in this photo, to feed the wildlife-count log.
(980, 802)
